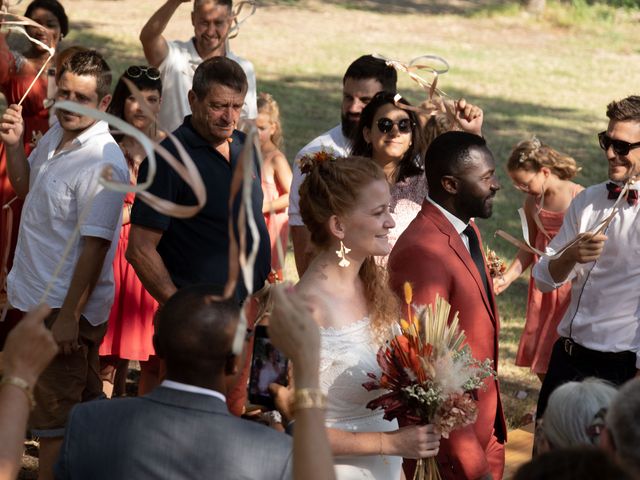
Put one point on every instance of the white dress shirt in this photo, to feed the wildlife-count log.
(331, 141)
(61, 185)
(177, 72)
(604, 313)
(458, 224)
(185, 387)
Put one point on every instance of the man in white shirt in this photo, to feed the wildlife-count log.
(365, 77)
(178, 60)
(600, 332)
(59, 182)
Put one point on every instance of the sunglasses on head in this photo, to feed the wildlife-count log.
(385, 125)
(619, 146)
(152, 73)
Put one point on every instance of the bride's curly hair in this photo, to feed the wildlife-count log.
(332, 187)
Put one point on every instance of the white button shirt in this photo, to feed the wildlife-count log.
(177, 71)
(60, 186)
(604, 313)
(332, 141)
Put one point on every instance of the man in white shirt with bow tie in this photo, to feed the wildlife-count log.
(600, 332)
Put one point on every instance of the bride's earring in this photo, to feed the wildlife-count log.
(342, 255)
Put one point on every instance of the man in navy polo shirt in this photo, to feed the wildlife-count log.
(170, 253)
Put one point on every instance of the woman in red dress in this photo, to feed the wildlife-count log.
(17, 71)
(130, 327)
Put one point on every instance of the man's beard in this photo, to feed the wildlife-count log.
(349, 127)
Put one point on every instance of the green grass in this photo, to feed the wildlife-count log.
(550, 76)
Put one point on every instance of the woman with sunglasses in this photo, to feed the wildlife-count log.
(392, 137)
(17, 71)
(131, 320)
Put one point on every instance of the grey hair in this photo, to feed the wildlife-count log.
(623, 423)
(572, 409)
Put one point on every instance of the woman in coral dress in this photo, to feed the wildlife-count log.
(545, 175)
(276, 179)
(130, 331)
(17, 72)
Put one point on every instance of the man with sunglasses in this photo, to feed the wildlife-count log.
(599, 332)
(177, 60)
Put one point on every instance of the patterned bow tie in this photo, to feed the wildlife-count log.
(614, 192)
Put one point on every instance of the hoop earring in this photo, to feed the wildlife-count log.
(342, 255)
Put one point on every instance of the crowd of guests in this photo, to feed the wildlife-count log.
(389, 195)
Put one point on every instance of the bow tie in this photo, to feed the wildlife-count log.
(614, 192)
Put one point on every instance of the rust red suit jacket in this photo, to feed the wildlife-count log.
(432, 257)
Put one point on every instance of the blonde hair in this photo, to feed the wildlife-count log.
(268, 106)
(332, 186)
(532, 155)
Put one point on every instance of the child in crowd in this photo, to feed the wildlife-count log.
(130, 332)
(545, 176)
(276, 178)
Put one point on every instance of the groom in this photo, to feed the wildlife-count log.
(440, 253)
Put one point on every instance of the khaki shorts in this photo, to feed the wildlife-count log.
(67, 381)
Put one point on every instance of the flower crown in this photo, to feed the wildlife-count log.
(536, 144)
(311, 160)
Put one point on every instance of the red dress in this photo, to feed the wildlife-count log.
(130, 329)
(544, 310)
(16, 74)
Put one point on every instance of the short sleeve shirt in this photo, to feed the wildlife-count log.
(177, 72)
(64, 189)
(196, 250)
(332, 141)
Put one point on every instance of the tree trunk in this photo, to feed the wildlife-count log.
(536, 6)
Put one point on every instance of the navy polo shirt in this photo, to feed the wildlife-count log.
(196, 250)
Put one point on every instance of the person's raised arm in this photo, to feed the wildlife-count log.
(11, 131)
(469, 116)
(294, 332)
(28, 350)
(153, 42)
(143, 256)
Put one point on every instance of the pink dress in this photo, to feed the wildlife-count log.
(130, 327)
(544, 310)
(278, 222)
(406, 201)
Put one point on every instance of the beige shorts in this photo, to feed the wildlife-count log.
(67, 381)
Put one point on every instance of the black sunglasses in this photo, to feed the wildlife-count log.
(619, 146)
(385, 125)
(152, 73)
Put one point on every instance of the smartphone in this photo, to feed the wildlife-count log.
(268, 365)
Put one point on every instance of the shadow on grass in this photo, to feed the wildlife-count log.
(429, 7)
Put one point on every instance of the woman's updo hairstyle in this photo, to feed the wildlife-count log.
(532, 155)
(331, 187)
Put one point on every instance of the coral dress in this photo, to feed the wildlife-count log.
(130, 331)
(16, 74)
(544, 310)
(278, 222)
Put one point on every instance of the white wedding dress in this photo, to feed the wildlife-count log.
(346, 356)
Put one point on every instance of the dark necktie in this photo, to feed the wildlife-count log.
(614, 191)
(476, 255)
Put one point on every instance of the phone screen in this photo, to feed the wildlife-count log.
(268, 365)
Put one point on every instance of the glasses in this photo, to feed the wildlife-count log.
(385, 125)
(152, 73)
(619, 146)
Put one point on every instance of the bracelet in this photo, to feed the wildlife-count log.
(309, 398)
(22, 385)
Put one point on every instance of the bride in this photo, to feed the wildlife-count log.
(345, 205)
